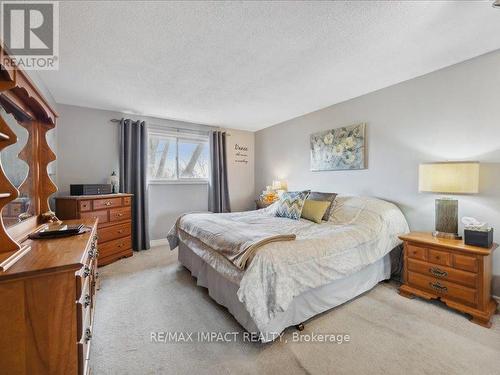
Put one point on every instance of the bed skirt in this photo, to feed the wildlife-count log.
(302, 308)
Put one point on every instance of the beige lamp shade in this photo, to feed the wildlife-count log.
(449, 177)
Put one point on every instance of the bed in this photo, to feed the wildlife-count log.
(284, 283)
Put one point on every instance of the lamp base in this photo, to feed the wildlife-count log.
(446, 218)
(449, 236)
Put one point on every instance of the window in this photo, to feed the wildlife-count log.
(177, 156)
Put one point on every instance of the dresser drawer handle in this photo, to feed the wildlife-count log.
(93, 253)
(119, 215)
(120, 244)
(88, 335)
(438, 287)
(437, 272)
(120, 231)
(108, 203)
(86, 301)
(86, 271)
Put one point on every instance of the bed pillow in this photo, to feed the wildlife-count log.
(330, 197)
(290, 204)
(314, 210)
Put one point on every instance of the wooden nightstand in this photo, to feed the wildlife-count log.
(457, 274)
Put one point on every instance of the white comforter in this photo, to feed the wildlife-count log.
(360, 231)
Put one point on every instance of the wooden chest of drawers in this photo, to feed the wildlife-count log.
(47, 304)
(457, 274)
(115, 221)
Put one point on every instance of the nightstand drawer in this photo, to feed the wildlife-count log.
(439, 257)
(465, 262)
(443, 288)
(416, 252)
(443, 273)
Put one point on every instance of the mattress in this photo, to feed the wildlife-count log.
(224, 291)
(361, 231)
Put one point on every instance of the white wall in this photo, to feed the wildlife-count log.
(451, 114)
(241, 168)
(88, 151)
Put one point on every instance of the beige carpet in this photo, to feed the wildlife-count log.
(389, 334)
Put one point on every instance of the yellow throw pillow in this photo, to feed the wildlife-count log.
(314, 210)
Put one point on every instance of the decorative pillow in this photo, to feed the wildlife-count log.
(330, 197)
(290, 204)
(314, 210)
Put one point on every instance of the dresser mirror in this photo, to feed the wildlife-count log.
(16, 159)
(26, 169)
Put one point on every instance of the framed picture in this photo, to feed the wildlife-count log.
(339, 149)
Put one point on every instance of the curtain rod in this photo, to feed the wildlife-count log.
(175, 128)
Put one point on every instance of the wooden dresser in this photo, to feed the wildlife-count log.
(47, 306)
(457, 274)
(115, 221)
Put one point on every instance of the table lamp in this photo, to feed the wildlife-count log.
(449, 178)
(280, 186)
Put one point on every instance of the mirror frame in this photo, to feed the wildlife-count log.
(20, 97)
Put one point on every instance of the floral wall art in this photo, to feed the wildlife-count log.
(338, 149)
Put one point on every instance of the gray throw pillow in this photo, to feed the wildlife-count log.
(330, 197)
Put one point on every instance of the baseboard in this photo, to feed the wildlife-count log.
(159, 242)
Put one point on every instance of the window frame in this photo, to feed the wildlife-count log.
(178, 135)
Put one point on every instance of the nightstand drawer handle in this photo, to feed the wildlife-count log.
(438, 287)
(437, 272)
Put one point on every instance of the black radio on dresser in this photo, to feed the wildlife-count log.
(90, 189)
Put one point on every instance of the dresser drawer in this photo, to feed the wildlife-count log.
(84, 351)
(83, 278)
(119, 214)
(439, 257)
(85, 205)
(443, 288)
(101, 204)
(83, 312)
(416, 252)
(115, 246)
(101, 215)
(127, 201)
(464, 262)
(114, 232)
(443, 273)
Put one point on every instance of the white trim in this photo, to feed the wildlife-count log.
(159, 242)
(178, 182)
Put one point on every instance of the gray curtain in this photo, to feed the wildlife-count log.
(133, 174)
(218, 193)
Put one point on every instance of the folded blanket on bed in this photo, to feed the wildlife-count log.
(239, 244)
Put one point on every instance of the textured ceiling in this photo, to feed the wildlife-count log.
(250, 65)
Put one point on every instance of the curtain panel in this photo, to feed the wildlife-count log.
(133, 177)
(218, 192)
